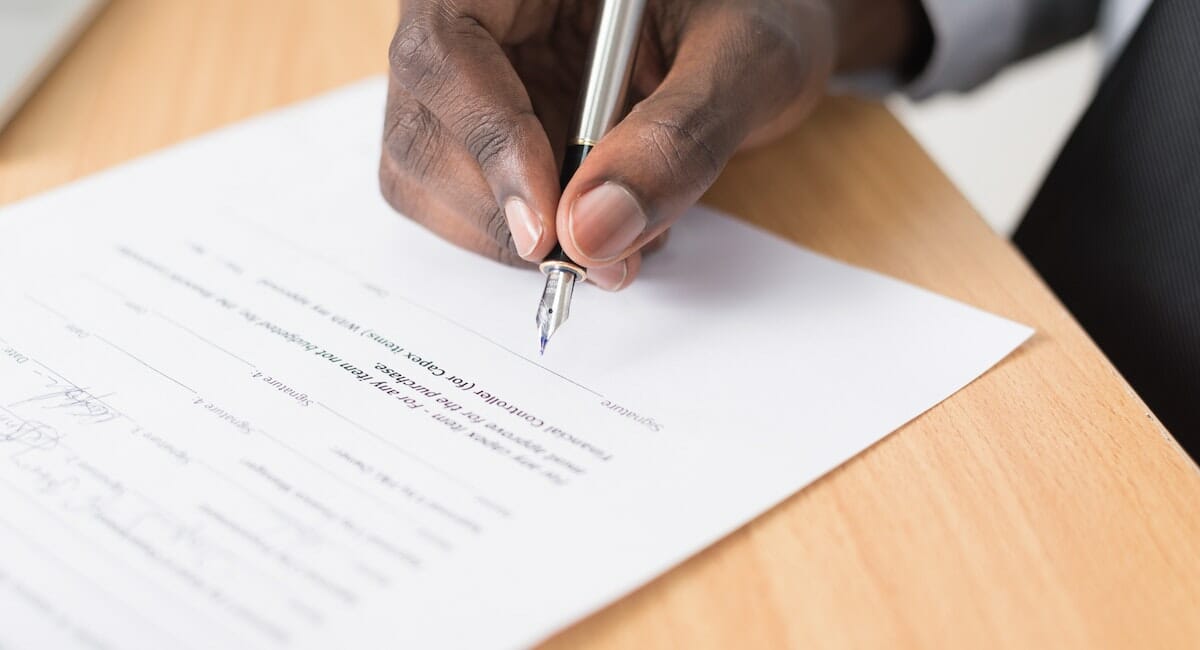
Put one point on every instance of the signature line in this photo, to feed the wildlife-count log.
(135, 358)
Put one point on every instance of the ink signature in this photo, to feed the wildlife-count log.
(28, 434)
(74, 401)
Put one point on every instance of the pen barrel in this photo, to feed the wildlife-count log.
(572, 161)
(602, 100)
(610, 66)
(576, 154)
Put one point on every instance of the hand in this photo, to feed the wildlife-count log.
(481, 97)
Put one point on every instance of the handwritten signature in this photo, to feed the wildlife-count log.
(28, 434)
(74, 401)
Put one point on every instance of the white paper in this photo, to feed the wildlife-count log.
(212, 434)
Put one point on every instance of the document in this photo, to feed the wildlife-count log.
(245, 405)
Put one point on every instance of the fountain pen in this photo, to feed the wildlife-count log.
(609, 67)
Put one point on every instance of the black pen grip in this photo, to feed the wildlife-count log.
(575, 156)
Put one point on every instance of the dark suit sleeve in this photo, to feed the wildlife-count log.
(1051, 22)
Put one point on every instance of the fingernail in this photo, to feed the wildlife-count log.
(606, 221)
(611, 277)
(524, 225)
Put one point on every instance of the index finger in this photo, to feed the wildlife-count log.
(447, 56)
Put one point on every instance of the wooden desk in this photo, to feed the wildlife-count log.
(1042, 507)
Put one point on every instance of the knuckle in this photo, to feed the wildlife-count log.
(761, 28)
(776, 43)
(419, 52)
(684, 143)
(488, 134)
(466, 27)
(476, 239)
(411, 38)
(422, 51)
(495, 225)
(412, 137)
(476, 242)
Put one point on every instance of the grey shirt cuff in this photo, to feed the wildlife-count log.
(972, 40)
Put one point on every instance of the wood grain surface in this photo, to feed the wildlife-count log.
(1041, 507)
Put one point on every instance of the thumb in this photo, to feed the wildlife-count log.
(730, 74)
(642, 176)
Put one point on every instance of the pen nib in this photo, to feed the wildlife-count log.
(555, 305)
(542, 347)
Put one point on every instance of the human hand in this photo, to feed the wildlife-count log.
(482, 92)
